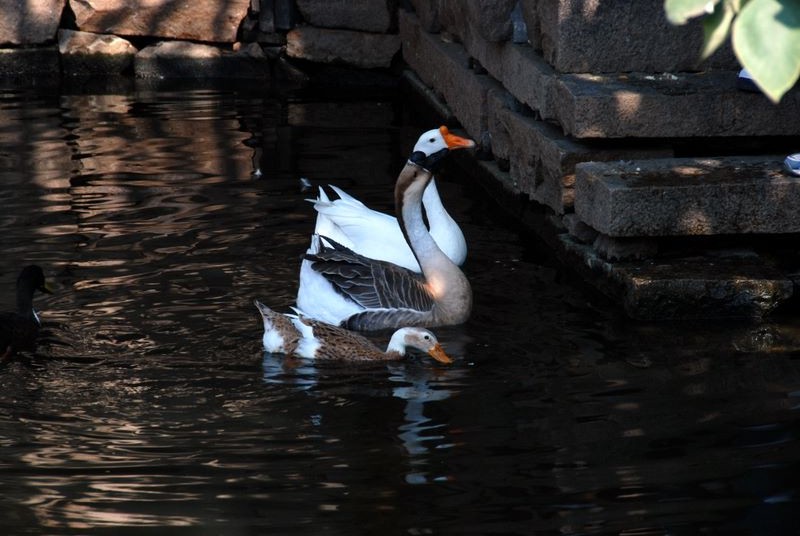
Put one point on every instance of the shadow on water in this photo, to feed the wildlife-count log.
(161, 214)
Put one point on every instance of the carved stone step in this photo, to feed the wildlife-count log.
(672, 197)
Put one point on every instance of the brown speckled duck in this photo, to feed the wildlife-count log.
(304, 337)
(18, 330)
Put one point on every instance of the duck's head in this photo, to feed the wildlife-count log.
(434, 145)
(32, 277)
(423, 340)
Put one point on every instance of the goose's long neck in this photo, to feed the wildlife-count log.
(445, 282)
(408, 203)
(438, 269)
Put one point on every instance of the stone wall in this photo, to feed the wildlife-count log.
(198, 39)
(600, 111)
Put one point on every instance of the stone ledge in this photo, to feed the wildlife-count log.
(635, 105)
(39, 62)
(543, 159)
(364, 15)
(29, 23)
(360, 49)
(672, 105)
(709, 284)
(445, 68)
(633, 35)
(199, 20)
(673, 197)
(179, 59)
(88, 54)
(685, 288)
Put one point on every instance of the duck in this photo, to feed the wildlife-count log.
(19, 329)
(342, 287)
(377, 235)
(300, 336)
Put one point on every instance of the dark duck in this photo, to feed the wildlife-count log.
(18, 330)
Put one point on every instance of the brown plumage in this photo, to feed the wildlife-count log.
(304, 337)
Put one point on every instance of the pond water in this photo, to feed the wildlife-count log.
(150, 404)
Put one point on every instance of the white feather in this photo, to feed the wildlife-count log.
(308, 344)
(378, 236)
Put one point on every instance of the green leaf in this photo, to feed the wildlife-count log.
(680, 11)
(716, 28)
(766, 39)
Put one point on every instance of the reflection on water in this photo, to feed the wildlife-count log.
(150, 402)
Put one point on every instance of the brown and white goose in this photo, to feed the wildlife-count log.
(341, 287)
(304, 337)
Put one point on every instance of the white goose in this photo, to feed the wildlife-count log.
(341, 287)
(378, 236)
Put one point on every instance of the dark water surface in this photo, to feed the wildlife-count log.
(151, 405)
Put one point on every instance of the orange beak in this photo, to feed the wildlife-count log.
(455, 142)
(437, 352)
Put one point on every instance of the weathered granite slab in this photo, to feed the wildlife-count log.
(199, 20)
(29, 23)
(445, 67)
(543, 160)
(363, 15)
(632, 35)
(40, 62)
(518, 68)
(180, 59)
(87, 54)
(673, 197)
(630, 105)
(657, 106)
(709, 286)
(359, 49)
(428, 13)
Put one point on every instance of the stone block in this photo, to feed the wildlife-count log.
(266, 15)
(632, 35)
(445, 67)
(359, 49)
(577, 229)
(525, 74)
(87, 54)
(363, 15)
(179, 59)
(427, 11)
(543, 160)
(40, 62)
(492, 18)
(662, 106)
(631, 105)
(672, 197)
(627, 248)
(698, 287)
(201, 20)
(29, 23)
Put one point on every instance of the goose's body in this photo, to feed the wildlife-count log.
(304, 337)
(19, 329)
(378, 236)
(341, 287)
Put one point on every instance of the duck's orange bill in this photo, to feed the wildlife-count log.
(437, 352)
(455, 142)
